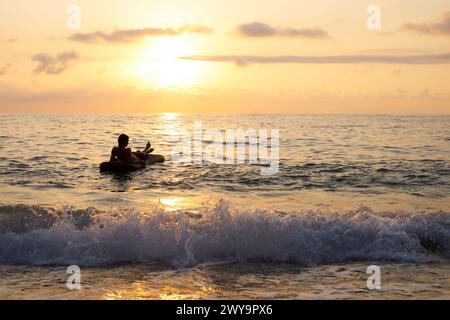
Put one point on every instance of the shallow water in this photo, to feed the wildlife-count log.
(228, 281)
(371, 189)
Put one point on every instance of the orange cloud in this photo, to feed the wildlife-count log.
(49, 64)
(441, 28)
(132, 35)
(259, 29)
(243, 60)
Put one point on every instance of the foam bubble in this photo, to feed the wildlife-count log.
(91, 237)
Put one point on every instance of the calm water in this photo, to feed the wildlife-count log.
(371, 189)
(46, 159)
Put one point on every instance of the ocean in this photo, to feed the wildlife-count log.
(349, 192)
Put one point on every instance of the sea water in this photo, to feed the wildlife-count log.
(349, 192)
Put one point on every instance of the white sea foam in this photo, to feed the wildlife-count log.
(222, 232)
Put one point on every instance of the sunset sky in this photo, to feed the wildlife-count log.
(225, 56)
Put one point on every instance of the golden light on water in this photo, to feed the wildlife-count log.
(170, 123)
(169, 116)
(173, 203)
(146, 289)
(170, 201)
(188, 203)
(187, 293)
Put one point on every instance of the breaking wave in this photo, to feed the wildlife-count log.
(36, 235)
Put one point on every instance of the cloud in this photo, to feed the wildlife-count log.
(242, 60)
(4, 69)
(259, 30)
(49, 64)
(132, 35)
(440, 28)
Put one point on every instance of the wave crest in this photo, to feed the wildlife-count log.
(219, 232)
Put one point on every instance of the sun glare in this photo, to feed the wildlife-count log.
(169, 116)
(163, 69)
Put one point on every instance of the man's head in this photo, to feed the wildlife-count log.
(123, 140)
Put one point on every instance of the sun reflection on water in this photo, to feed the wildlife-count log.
(169, 116)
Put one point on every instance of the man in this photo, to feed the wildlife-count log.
(124, 154)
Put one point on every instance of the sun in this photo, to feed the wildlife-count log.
(162, 68)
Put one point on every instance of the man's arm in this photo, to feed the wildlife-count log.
(113, 155)
(129, 155)
(133, 158)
